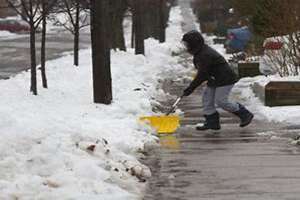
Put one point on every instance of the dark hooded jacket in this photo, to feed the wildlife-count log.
(211, 65)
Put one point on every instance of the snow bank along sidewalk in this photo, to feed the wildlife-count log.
(283, 114)
(60, 145)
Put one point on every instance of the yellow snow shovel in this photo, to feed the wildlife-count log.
(164, 124)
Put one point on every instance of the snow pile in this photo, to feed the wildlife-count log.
(284, 114)
(6, 34)
(60, 145)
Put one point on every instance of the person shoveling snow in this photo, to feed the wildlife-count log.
(213, 68)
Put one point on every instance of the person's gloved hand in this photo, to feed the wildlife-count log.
(188, 91)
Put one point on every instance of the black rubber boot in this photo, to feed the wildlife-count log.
(245, 116)
(211, 122)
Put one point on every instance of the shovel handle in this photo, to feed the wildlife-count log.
(174, 105)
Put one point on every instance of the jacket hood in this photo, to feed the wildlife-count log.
(194, 41)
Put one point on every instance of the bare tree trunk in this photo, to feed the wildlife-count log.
(150, 17)
(23, 15)
(133, 32)
(76, 35)
(162, 20)
(101, 51)
(29, 11)
(118, 9)
(155, 18)
(33, 86)
(139, 30)
(43, 47)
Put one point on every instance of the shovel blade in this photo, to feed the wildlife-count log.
(163, 124)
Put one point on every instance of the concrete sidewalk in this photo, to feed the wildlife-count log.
(231, 164)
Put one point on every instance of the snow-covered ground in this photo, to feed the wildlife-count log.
(60, 145)
(283, 114)
(6, 35)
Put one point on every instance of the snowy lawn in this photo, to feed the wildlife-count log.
(60, 145)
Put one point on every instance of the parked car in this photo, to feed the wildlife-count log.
(14, 25)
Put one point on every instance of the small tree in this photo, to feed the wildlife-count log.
(46, 6)
(76, 15)
(31, 15)
(34, 12)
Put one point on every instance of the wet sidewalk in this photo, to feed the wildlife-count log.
(231, 164)
(257, 162)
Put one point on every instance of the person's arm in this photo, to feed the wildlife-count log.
(202, 75)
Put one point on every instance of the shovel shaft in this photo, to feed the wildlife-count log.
(174, 105)
(176, 102)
